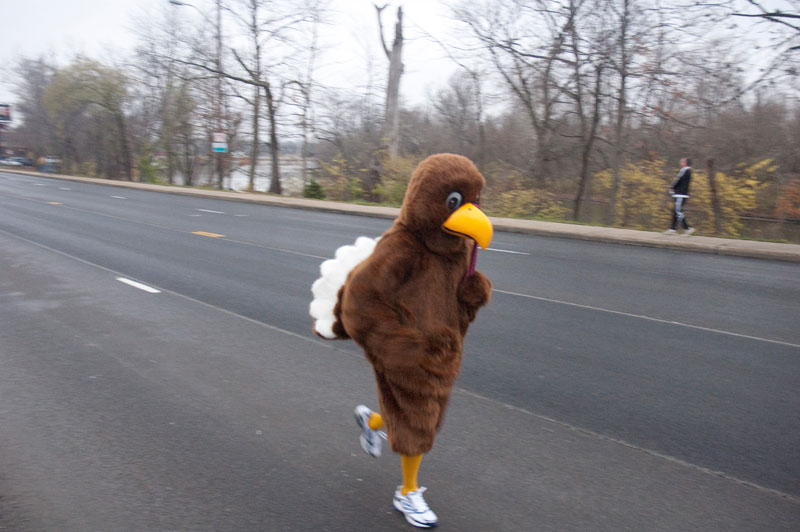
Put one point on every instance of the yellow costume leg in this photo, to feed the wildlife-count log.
(375, 421)
(410, 470)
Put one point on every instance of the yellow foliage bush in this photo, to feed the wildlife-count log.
(644, 201)
(788, 205)
(396, 175)
(507, 194)
(340, 184)
(87, 168)
(525, 203)
(737, 195)
(345, 181)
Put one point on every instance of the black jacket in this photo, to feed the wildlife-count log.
(681, 184)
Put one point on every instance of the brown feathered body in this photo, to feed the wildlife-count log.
(409, 304)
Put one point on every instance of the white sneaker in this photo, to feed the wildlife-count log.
(415, 508)
(688, 231)
(371, 440)
(669, 232)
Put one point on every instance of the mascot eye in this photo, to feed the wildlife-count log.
(454, 200)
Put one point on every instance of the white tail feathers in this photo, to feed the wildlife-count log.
(333, 275)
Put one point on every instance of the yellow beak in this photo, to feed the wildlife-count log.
(468, 221)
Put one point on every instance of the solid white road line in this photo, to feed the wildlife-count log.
(140, 286)
(507, 251)
(648, 318)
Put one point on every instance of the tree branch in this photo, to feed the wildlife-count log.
(380, 28)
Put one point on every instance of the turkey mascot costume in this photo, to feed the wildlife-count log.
(407, 299)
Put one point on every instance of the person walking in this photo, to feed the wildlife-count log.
(680, 193)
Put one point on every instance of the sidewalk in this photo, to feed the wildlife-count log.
(702, 244)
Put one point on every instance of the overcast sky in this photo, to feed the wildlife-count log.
(105, 28)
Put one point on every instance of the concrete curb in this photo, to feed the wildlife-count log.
(702, 244)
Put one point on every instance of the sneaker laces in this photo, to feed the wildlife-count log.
(417, 500)
(373, 435)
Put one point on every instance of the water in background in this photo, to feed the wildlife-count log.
(291, 176)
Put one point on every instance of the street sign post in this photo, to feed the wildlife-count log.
(219, 143)
(5, 120)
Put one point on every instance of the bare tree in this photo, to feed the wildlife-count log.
(266, 24)
(250, 20)
(90, 91)
(526, 45)
(787, 19)
(391, 125)
(460, 86)
(589, 61)
(160, 82)
(621, 64)
(460, 107)
(267, 67)
(301, 90)
(33, 78)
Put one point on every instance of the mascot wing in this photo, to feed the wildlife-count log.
(333, 276)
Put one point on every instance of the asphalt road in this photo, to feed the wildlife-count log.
(606, 387)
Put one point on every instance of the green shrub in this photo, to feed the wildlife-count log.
(313, 190)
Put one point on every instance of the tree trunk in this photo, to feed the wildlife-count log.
(188, 157)
(124, 146)
(170, 169)
(715, 203)
(220, 166)
(391, 127)
(615, 177)
(275, 182)
(308, 86)
(304, 151)
(583, 183)
(621, 104)
(254, 148)
(588, 137)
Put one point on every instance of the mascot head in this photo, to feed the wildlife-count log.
(440, 205)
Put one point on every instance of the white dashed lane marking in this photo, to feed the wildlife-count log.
(138, 285)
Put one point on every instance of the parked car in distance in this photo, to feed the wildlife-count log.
(7, 161)
(25, 161)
